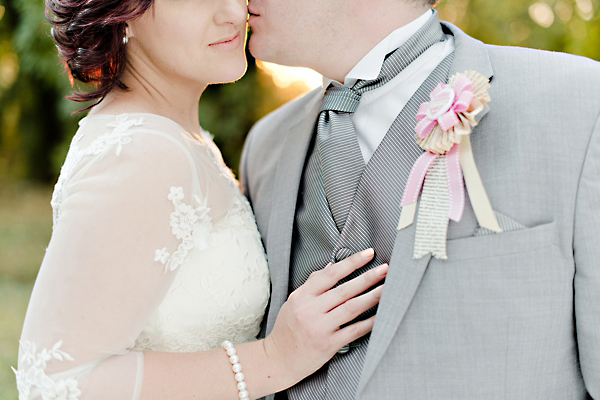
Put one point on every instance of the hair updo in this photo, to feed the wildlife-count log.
(89, 37)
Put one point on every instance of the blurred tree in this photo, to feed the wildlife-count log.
(34, 118)
(36, 122)
(570, 26)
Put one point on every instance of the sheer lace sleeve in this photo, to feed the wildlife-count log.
(127, 207)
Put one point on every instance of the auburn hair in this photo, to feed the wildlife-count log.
(89, 36)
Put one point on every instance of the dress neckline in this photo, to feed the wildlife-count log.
(203, 134)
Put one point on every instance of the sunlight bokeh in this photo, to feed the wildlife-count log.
(284, 77)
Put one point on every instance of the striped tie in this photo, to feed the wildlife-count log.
(340, 163)
(337, 145)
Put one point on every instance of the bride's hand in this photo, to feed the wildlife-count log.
(307, 330)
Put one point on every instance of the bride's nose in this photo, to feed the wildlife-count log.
(231, 12)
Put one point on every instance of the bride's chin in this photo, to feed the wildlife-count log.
(232, 72)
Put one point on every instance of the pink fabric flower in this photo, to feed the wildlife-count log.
(444, 106)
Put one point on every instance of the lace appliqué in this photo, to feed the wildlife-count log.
(192, 225)
(31, 375)
(118, 136)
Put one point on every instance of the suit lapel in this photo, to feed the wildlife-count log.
(281, 221)
(405, 274)
(471, 54)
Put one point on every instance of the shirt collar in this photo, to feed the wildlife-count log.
(370, 65)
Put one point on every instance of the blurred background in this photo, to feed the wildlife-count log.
(36, 123)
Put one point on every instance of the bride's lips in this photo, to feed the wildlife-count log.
(228, 43)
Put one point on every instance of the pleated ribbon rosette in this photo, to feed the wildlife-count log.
(444, 126)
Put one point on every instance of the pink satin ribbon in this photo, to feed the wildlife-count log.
(417, 177)
(454, 175)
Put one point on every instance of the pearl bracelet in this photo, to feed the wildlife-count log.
(236, 367)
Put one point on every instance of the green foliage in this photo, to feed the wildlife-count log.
(34, 117)
(33, 44)
(570, 26)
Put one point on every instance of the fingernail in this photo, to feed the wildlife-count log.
(367, 253)
(381, 270)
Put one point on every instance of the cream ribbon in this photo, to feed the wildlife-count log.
(479, 199)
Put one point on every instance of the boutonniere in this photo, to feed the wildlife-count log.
(444, 126)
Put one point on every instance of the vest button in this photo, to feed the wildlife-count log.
(344, 349)
(342, 254)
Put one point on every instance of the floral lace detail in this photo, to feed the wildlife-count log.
(118, 136)
(240, 214)
(192, 225)
(240, 208)
(32, 376)
(225, 289)
(209, 336)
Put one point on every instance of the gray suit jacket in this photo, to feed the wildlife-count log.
(514, 315)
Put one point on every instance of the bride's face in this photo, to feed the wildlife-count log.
(190, 41)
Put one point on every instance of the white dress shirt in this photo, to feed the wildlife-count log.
(379, 107)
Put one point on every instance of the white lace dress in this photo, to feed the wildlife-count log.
(153, 248)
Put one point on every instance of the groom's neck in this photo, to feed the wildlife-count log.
(360, 36)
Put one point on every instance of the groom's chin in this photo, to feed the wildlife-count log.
(254, 46)
(259, 48)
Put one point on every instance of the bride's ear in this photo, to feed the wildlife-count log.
(129, 30)
(127, 34)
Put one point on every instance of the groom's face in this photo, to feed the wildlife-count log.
(294, 32)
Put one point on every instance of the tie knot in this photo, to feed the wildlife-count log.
(341, 99)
